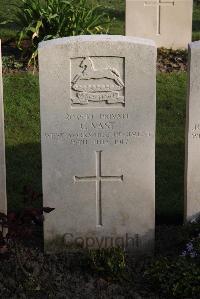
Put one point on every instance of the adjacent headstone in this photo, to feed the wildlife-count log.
(192, 170)
(98, 140)
(167, 22)
(3, 201)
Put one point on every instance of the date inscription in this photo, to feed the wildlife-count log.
(97, 129)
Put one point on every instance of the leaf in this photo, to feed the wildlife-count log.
(4, 22)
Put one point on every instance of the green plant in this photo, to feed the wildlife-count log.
(9, 62)
(177, 278)
(42, 20)
(108, 262)
(21, 225)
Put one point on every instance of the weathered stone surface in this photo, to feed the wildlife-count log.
(98, 140)
(167, 22)
(192, 163)
(3, 201)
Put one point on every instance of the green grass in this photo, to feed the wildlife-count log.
(116, 10)
(22, 127)
(23, 140)
(171, 98)
(7, 31)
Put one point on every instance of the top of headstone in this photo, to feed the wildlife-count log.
(96, 38)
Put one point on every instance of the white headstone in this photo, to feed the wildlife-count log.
(98, 140)
(192, 171)
(3, 201)
(167, 22)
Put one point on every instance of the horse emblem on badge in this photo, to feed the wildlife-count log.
(93, 85)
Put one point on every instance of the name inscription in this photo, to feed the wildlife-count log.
(97, 129)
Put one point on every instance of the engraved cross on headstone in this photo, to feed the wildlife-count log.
(158, 4)
(98, 178)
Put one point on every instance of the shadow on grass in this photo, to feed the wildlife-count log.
(23, 164)
(169, 183)
(196, 26)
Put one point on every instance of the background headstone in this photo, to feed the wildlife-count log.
(3, 201)
(192, 171)
(98, 140)
(167, 22)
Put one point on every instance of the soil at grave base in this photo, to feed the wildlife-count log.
(63, 275)
(172, 60)
(16, 63)
(168, 60)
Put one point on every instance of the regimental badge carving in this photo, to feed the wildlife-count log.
(96, 84)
